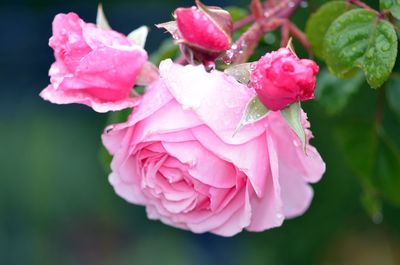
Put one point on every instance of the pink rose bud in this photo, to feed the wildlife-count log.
(208, 28)
(93, 66)
(204, 31)
(280, 78)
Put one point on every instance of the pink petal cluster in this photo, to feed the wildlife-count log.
(280, 78)
(179, 157)
(198, 29)
(93, 66)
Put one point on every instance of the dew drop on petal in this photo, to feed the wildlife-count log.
(279, 216)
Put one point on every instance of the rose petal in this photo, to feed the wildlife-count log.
(217, 99)
(239, 220)
(250, 157)
(308, 165)
(268, 210)
(204, 166)
(130, 192)
(67, 40)
(67, 97)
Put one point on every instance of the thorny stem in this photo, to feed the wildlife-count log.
(279, 9)
(245, 45)
(243, 22)
(362, 5)
(273, 17)
(301, 37)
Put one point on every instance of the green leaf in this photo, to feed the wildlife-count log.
(101, 19)
(139, 36)
(372, 205)
(240, 72)
(385, 4)
(388, 170)
(373, 157)
(359, 39)
(358, 141)
(118, 116)
(319, 22)
(395, 11)
(255, 111)
(292, 115)
(105, 159)
(167, 49)
(333, 93)
(393, 93)
(392, 5)
(236, 13)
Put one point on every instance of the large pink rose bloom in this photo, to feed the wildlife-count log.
(178, 156)
(93, 66)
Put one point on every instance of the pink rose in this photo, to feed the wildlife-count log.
(93, 66)
(204, 32)
(178, 156)
(280, 79)
(208, 28)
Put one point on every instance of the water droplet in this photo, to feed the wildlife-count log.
(279, 216)
(370, 53)
(377, 218)
(303, 4)
(234, 47)
(210, 28)
(291, 4)
(385, 47)
(192, 163)
(269, 38)
(196, 15)
(210, 66)
(228, 57)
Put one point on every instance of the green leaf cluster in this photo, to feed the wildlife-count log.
(349, 38)
(351, 41)
(374, 157)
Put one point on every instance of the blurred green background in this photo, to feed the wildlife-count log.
(56, 206)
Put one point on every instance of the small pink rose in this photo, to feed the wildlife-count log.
(280, 78)
(93, 66)
(208, 28)
(204, 32)
(177, 156)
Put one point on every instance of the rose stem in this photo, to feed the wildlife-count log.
(362, 5)
(245, 45)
